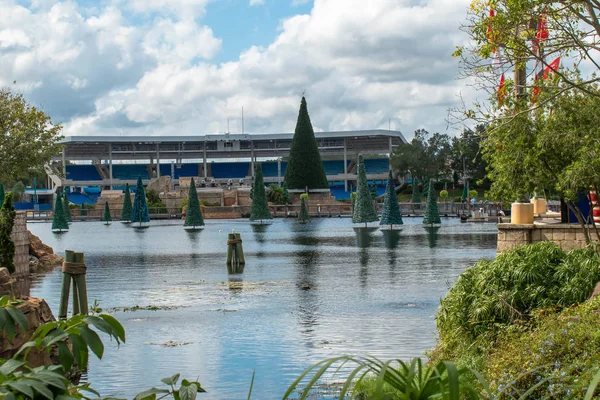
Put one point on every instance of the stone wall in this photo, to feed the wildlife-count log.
(221, 212)
(21, 239)
(567, 236)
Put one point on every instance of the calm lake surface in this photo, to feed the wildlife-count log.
(308, 292)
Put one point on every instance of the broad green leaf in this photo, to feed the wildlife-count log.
(65, 356)
(116, 325)
(7, 324)
(10, 366)
(171, 380)
(100, 324)
(51, 378)
(21, 387)
(41, 389)
(188, 392)
(19, 317)
(93, 341)
(80, 350)
(150, 394)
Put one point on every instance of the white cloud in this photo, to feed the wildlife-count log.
(360, 63)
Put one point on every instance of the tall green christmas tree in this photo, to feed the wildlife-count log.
(66, 205)
(1, 193)
(305, 168)
(373, 190)
(127, 208)
(260, 207)
(364, 207)
(431, 216)
(7, 246)
(193, 217)
(391, 210)
(59, 221)
(107, 219)
(140, 213)
(303, 214)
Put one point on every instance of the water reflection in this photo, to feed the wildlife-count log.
(364, 240)
(260, 237)
(392, 240)
(307, 272)
(432, 235)
(193, 236)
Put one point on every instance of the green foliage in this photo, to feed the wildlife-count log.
(7, 246)
(393, 379)
(303, 215)
(431, 214)
(305, 167)
(28, 139)
(140, 212)
(473, 194)
(67, 206)
(59, 220)
(559, 348)
(416, 194)
(373, 191)
(493, 295)
(444, 195)
(1, 193)
(106, 217)
(466, 157)
(275, 194)
(193, 215)
(425, 155)
(285, 196)
(126, 211)
(17, 191)
(352, 202)
(390, 214)
(364, 207)
(186, 391)
(260, 207)
(152, 196)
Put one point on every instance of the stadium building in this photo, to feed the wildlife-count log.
(90, 164)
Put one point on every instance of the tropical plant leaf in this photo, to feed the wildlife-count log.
(93, 341)
(150, 394)
(115, 325)
(11, 366)
(171, 380)
(18, 317)
(65, 356)
(188, 392)
(22, 387)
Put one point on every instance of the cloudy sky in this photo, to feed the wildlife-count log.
(184, 67)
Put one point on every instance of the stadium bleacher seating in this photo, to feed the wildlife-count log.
(333, 167)
(230, 170)
(269, 168)
(186, 170)
(80, 198)
(83, 173)
(377, 165)
(130, 171)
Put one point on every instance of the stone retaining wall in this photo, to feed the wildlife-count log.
(21, 239)
(567, 236)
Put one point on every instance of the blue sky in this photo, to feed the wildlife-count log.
(184, 67)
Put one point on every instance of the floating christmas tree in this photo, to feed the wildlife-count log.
(193, 217)
(364, 207)
(303, 215)
(67, 206)
(140, 214)
(126, 210)
(305, 167)
(59, 221)
(391, 210)
(107, 219)
(7, 222)
(260, 207)
(431, 216)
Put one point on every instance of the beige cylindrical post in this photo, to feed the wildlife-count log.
(539, 206)
(521, 213)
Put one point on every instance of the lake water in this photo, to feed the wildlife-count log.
(308, 292)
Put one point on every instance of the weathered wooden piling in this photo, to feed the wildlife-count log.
(74, 271)
(235, 251)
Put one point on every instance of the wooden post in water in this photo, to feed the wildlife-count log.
(74, 270)
(235, 252)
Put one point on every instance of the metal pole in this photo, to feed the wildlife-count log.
(157, 160)
(279, 171)
(110, 169)
(252, 157)
(205, 176)
(345, 167)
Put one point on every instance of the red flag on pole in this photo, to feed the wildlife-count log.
(490, 32)
(542, 30)
(552, 67)
(501, 90)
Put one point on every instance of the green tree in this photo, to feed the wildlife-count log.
(260, 208)
(59, 220)
(285, 196)
(28, 138)
(373, 191)
(67, 206)
(364, 207)
(305, 168)
(416, 194)
(193, 216)
(127, 207)
(390, 214)
(17, 191)
(303, 215)
(466, 159)
(106, 218)
(425, 155)
(431, 214)
(7, 246)
(1, 193)
(140, 212)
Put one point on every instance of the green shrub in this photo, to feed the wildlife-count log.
(494, 295)
(473, 194)
(457, 199)
(444, 194)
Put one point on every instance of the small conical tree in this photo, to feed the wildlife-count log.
(7, 222)
(193, 217)
(59, 221)
(364, 207)
(373, 190)
(66, 205)
(431, 216)
(127, 208)
(140, 212)
(260, 207)
(305, 167)
(303, 215)
(106, 218)
(1, 193)
(391, 210)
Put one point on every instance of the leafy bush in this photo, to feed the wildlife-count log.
(457, 199)
(473, 194)
(494, 295)
(444, 194)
